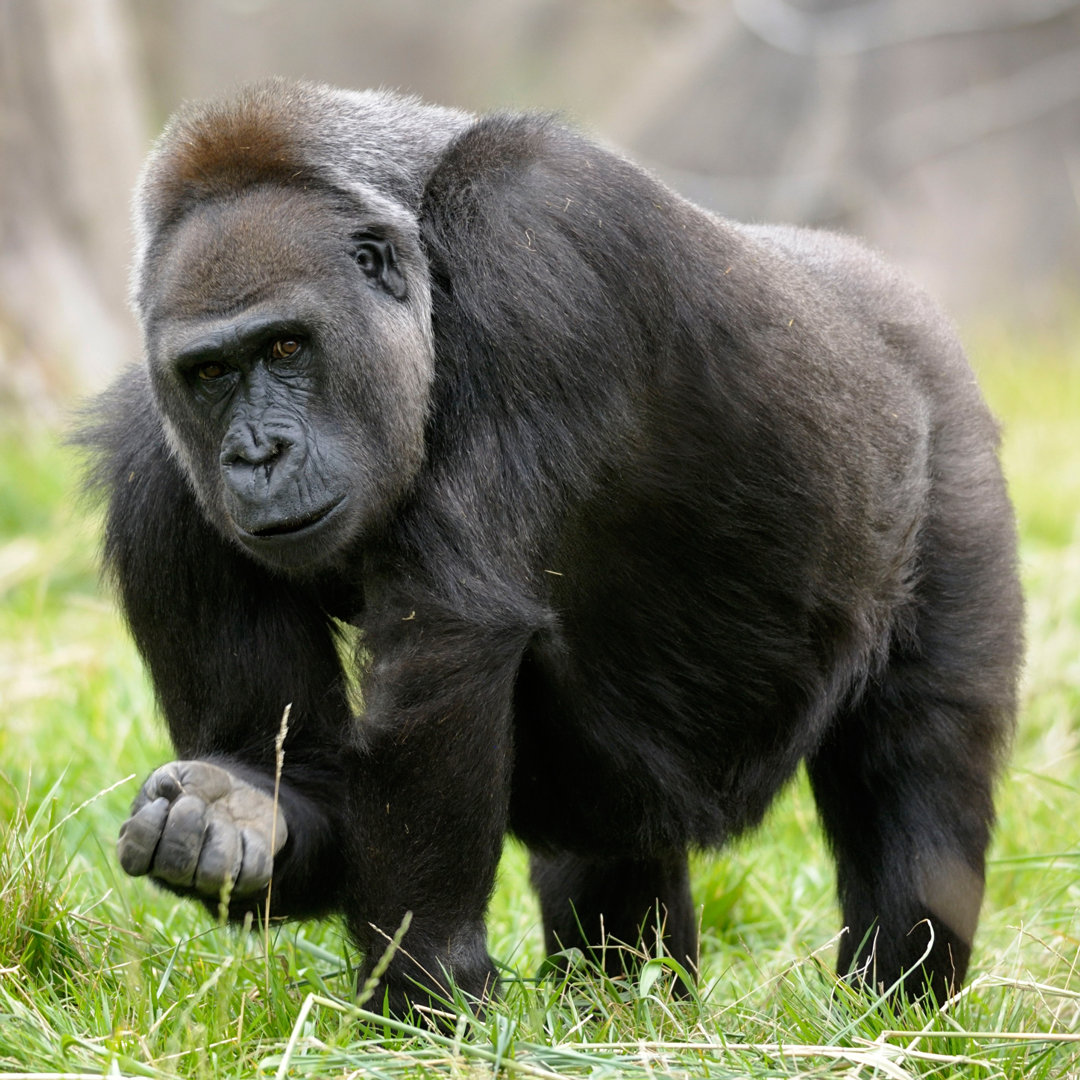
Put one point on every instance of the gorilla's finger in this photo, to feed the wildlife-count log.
(181, 841)
(257, 864)
(219, 860)
(253, 809)
(139, 837)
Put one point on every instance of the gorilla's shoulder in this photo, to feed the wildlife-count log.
(121, 432)
(505, 154)
(501, 143)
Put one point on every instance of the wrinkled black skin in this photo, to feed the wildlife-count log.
(697, 503)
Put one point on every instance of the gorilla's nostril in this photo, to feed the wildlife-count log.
(254, 452)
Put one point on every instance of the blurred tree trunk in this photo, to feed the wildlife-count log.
(71, 139)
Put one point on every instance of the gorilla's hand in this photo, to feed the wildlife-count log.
(196, 826)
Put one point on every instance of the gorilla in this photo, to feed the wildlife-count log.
(633, 510)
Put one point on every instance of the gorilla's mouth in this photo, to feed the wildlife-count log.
(290, 526)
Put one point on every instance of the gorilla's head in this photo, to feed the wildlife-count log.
(286, 308)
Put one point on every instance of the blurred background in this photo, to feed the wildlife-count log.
(946, 133)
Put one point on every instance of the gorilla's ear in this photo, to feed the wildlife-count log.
(377, 259)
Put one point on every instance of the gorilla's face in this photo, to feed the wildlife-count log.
(290, 349)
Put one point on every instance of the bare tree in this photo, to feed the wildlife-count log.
(71, 138)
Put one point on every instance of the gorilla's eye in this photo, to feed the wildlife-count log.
(284, 348)
(210, 371)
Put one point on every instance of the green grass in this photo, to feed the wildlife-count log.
(102, 975)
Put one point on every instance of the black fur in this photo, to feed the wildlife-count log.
(641, 510)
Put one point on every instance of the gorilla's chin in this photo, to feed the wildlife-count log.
(295, 541)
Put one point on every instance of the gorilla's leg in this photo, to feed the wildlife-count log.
(904, 780)
(597, 905)
(909, 831)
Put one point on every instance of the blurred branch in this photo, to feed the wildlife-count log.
(958, 120)
(881, 24)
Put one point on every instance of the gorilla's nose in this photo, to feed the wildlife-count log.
(252, 467)
(252, 447)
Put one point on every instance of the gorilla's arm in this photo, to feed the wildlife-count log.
(402, 811)
(228, 646)
(429, 810)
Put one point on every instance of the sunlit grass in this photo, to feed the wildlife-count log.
(103, 975)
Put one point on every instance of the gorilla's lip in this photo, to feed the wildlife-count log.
(291, 527)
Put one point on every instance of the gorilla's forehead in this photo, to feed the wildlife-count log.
(239, 251)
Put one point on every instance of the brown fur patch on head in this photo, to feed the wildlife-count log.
(210, 151)
(373, 148)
